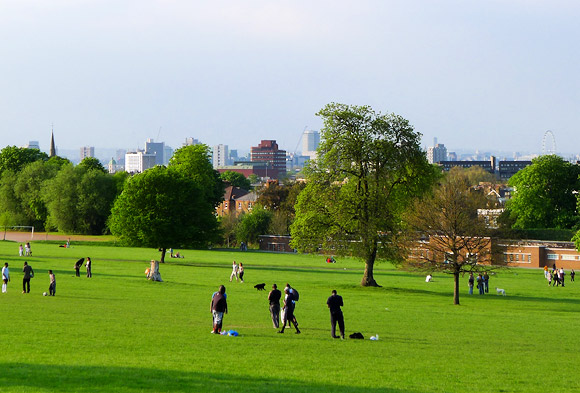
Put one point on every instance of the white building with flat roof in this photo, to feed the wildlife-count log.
(138, 161)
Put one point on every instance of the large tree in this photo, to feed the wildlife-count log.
(545, 194)
(15, 158)
(163, 208)
(445, 233)
(236, 179)
(369, 166)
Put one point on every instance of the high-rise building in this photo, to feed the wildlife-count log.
(167, 154)
(87, 151)
(437, 153)
(310, 142)
(157, 149)
(267, 151)
(220, 155)
(189, 141)
(33, 145)
(138, 161)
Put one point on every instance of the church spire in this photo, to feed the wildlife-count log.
(52, 148)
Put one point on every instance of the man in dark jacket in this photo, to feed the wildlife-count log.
(219, 306)
(28, 273)
(274, 299)
(334, 303)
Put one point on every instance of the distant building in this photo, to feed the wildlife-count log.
(236, 201)
(157, 149)
(87, 151)
(310, 142)
(139, 161)
(167, 154)
(113, 166)
(436, 153)
(268, 152)
(33, 145)
(503, 170)
(220, 155)
(52, 146)
(190, 142)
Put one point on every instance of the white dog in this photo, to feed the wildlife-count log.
(500, 291)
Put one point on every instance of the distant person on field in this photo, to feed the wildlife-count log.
(20, 250)
(555, 277)
(234, 272)
(218, 307)
(52, 286)
(486, 282)
(288, 311)
(549, 277)
(562, 274)
(572, 274)
(241, 271)
(429, 278)
(546, 270)
(334, 303)
(274, 300)
(28, 274)
(470, 283)
(5, 277)
(77, 267)
(89, 266)
(27, 250)
(480, 283)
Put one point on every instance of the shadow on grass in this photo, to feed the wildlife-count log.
(22, 377)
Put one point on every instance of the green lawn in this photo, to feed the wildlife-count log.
(118, 332)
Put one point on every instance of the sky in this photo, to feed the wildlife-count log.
(486, 75)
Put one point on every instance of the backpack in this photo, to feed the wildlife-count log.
(295, 295)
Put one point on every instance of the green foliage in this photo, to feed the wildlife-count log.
(236, 179)
(474, 175)
(368, 169)
(163, 208)
(253, 224)
(92, 163)
(194, 162)
(15, 158)
(544, 194)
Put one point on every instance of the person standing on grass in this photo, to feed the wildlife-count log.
(562, 274)
(89, 266)
(234, 272)
(334, 303)
(288, 311)
(470, 283)
(52, 286)
(218, 307)
(20, 250)
(546, 270)
(241, 271)
(28, 274)
(572, 274)
(549, 278)
(274, 300)
(486, 282)
(5, 277)
(28, 251)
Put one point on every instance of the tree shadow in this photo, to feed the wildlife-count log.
(23, 377)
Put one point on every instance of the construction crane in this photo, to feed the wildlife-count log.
(300, 140)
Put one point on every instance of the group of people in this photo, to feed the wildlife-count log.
(219, 307)
(555, 277)
(28, 273)
(237, 272)
(482, 281)
(88, 264)
(24, 251)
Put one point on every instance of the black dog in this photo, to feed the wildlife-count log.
(260, 287)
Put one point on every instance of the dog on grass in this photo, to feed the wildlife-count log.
(260, 287)
(500, 291)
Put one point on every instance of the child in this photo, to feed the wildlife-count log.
(52, 287)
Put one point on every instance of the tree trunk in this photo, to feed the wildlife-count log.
(154, 274)
(368, 280)
(456, 288)
(163, 251)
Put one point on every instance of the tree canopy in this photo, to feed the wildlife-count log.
(368, 169)
(545, 194)
(236, 179)
(445, 233)
(15, 158)
(163, 208)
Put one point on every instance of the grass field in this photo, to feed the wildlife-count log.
(118, 332)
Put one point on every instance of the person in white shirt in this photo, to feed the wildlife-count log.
(5, 277)
(234, 272)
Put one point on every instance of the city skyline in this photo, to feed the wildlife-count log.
(476, 75)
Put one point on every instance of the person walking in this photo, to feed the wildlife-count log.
(5, 277)
(234, 272)
(28, 251)
(288, 311)
(480, 283)
(28, 274)
(549, 278)
(562, 274)
(274, 300)
(572, 274)
(334, 303)
(470, 283)
(89, 266)
(52, 286)
(20, 250)
(218, 307)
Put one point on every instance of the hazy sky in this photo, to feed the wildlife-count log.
(476, 74)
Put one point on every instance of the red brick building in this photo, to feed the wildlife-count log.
(267, 151)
